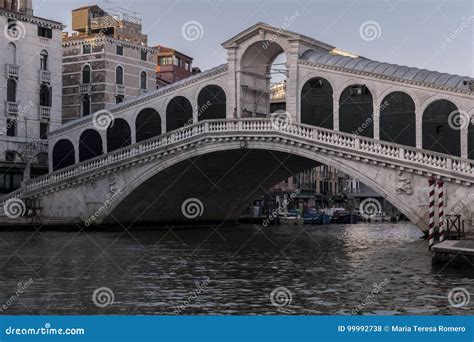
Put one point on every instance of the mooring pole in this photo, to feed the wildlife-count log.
(441, 209)
(432, 184)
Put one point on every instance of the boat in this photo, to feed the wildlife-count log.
(345, 217)
(291, 218)
(314, 217)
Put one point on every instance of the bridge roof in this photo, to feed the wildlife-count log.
(386, 69)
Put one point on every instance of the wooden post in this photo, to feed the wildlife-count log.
(441, 210)
(432, 184)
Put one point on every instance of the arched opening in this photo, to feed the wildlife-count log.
(438, 135)
(356, 111)
(147, 124)
(118, 135)
(317, 103)
(44, 60)
(11, 90)
(398, 119)
(86, 74)
(263, 68)
(179, 112)
(143, 79)
(11, 53)
(63, 154)
(90, 145)
(45, 95)
(211, 103)
(119, 75)
(470, 144)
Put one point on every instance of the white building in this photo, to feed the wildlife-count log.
(30, 91)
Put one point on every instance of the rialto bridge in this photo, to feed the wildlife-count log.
(212, 137)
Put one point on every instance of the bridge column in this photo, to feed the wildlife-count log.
(233, 91)
(336, 113)
(292, 98)
(419, 128)
(464, 141)
(376, 117)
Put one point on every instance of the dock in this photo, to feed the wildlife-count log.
(454, 252)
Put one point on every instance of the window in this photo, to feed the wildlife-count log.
(177, 61)
(10, 181)
(165, 60)
(45, 32)
(119, 75)
(187, 66)
(143, 80)
(10, 156)
(86, 49)
(45, 96)
(11, 90)
(11, 127)
(144, 56)
(44, 60)
(86, 105)
(44, 128)
(119, 99)
(11, 54)
(119, 50)
(86, 74)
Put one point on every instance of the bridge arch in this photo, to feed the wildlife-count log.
(119, 135)
(179, 112)
(90, 145)
(147, 124)
(211, 102)
(356, 110)
(398, 118)
(317, 103)
(64, 154)
(439, 134)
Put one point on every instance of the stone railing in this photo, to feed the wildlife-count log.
(410, 157)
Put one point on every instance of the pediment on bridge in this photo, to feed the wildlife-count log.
(267, 31)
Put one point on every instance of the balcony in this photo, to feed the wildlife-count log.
(12, 108)
(44, 76)
(85, 88)
(44, 113)
(119, 90)
(12, 70)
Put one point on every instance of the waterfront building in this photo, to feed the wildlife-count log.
(173, 66)
(30, 91)
(106, 60)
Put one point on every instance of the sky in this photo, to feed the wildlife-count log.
(432, 34)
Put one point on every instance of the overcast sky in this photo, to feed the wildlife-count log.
(432, 34)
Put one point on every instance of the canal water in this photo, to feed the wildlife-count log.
(368, 269)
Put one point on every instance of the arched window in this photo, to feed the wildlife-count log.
(45, 95)
(63, 154)
(86, 74)
(317, 103)
(470, 144)
(398, 119)
(86, 104)
(44, 60)
(211, 103)
(143, 80)
(438, 135)
(356, 111)
(179, 112)
(148, 124)
(119, 75)
(11, 53)
(11, 90)
(118, 135)
(90, 145)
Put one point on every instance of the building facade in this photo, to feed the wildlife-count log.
(30, 91)
(173, 66)
(104, 62)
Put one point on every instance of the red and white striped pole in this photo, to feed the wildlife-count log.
(441, 209)
(432, 184)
